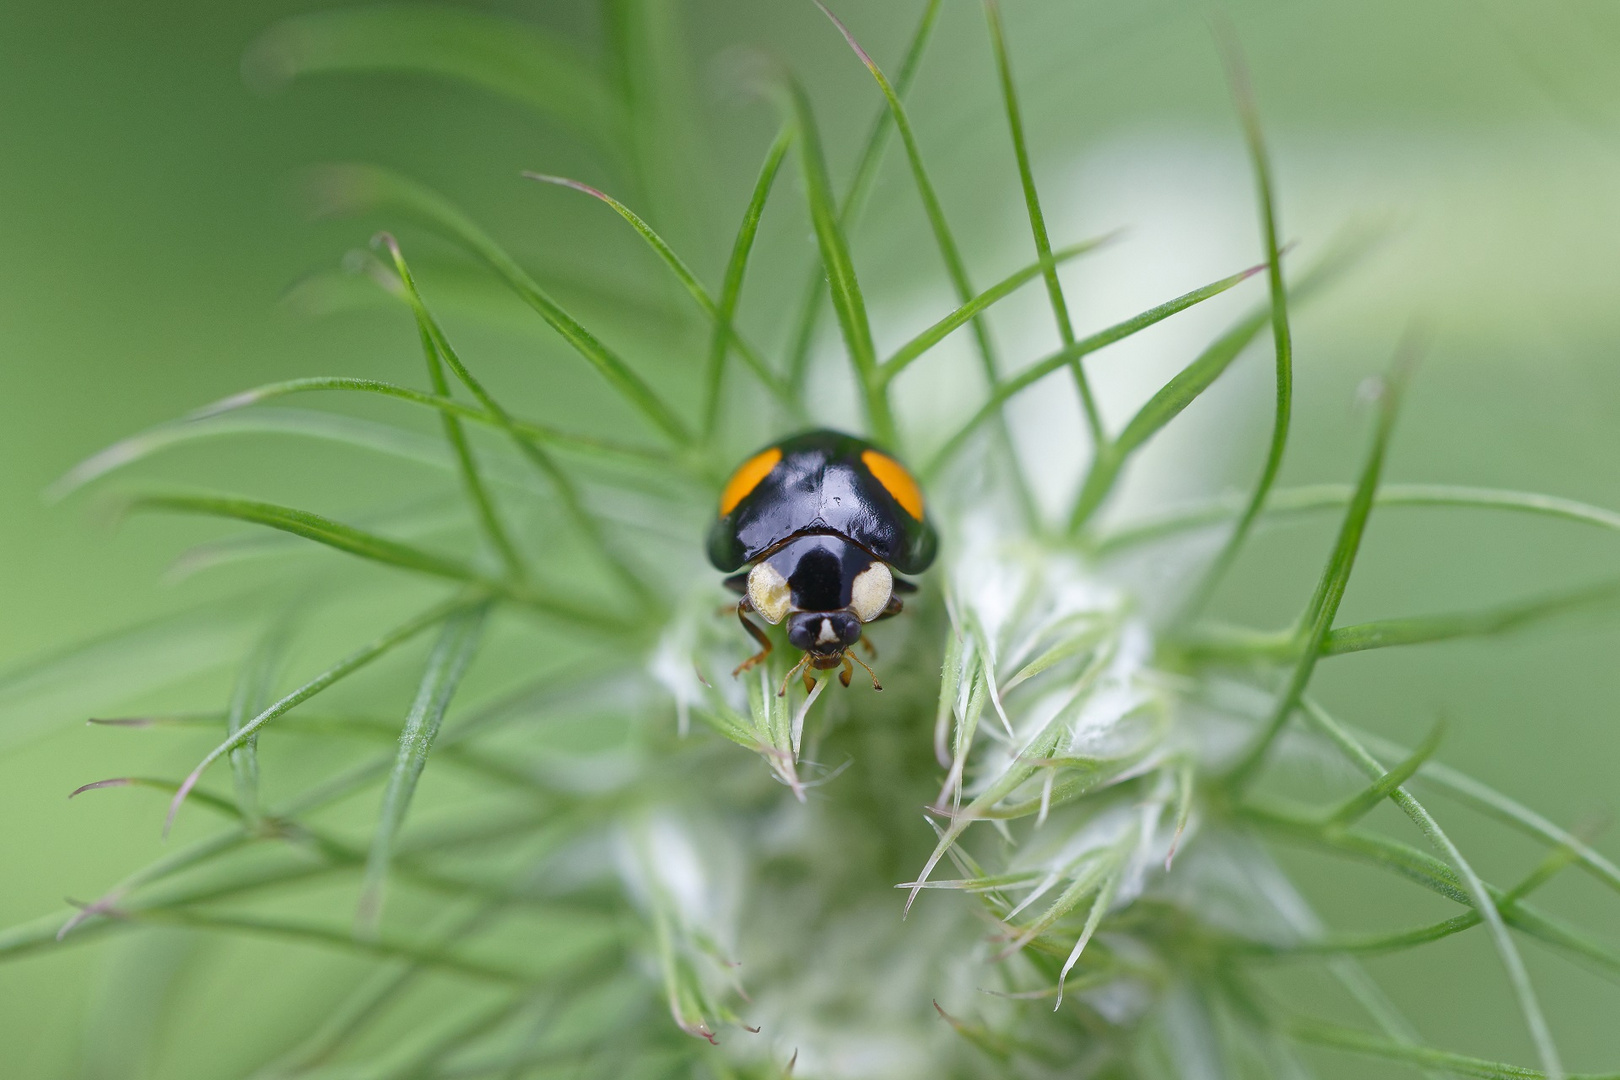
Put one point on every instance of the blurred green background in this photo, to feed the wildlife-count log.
(149, 233)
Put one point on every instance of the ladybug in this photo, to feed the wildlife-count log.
(821, 520)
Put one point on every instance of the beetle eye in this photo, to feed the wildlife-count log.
(769, 592)
(869, 592)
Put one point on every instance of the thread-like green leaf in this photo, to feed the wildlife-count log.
(1479, 895)
(331, 427)
(590, 445)
(950, 254)
(352, 189)
(1319, 1033)
(314, 527)
(1037, 223)
(254, 689)
(472, 479)
(1317, 617)
(442, 960)
(854, 200)
(1286, 502)
(731, 291)
(1042, 368)
(1282, 337)
(568, 494)
(689, 281)
(1362, 803)
(968, 311)
(1387, 633)
(457, 644)
(1198, 376)
(516, 60)
(356, 660)
(1489, 801)
(842, 283)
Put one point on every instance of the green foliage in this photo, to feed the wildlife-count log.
(567, 856)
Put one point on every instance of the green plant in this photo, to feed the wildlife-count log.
(1095, 776)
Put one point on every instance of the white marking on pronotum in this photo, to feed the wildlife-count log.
(870, 591)
(769, 591)
(828, 635)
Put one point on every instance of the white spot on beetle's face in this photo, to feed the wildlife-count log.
(769, 592)
(870, 591)
(828, 635)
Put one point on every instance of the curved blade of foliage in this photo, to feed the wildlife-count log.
(731, 288)
(1363, 802)
(254, 689)
(919, 345)
(1288, 501)
(442, 960)
(1318, 1033)
(353, 189)
(689, 282)
(1317, 618)
(1479, 895)
(332, 427)
(314, 527)
(1387, 633)
(841, 280)
(516, 60)
(567, 491)
(124, 665)
(457, 644)
(1282, 337)
(1039, 370)
(334, 674)
(949, 254)
(472, 479)
(584, 444)
(1037, 222)
(854, 200)
(1191, 381)
(1246, 646)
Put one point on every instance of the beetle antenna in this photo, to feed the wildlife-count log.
(875, 684)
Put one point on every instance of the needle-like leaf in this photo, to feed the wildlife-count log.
(968, 311)
(332, 675)
(731, 290)
(568, 494)
(1042, 368)
(1479, 895)
(457, 644)
(1282, 336)
(854, 200)
(841, 280)
(949, 253)
(357, 188)
(1301, 500)
(1037, 223)
(1317, 618)
(683, 274)
(517, 60)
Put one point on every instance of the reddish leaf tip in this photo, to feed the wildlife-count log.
(117, 781)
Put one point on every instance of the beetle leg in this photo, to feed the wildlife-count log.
(844, 675)
(800, 666)
(894, 608)
(809, 683)
(868, 648)
(743, 607)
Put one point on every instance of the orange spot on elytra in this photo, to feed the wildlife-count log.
(896, 481)
(747, 478)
